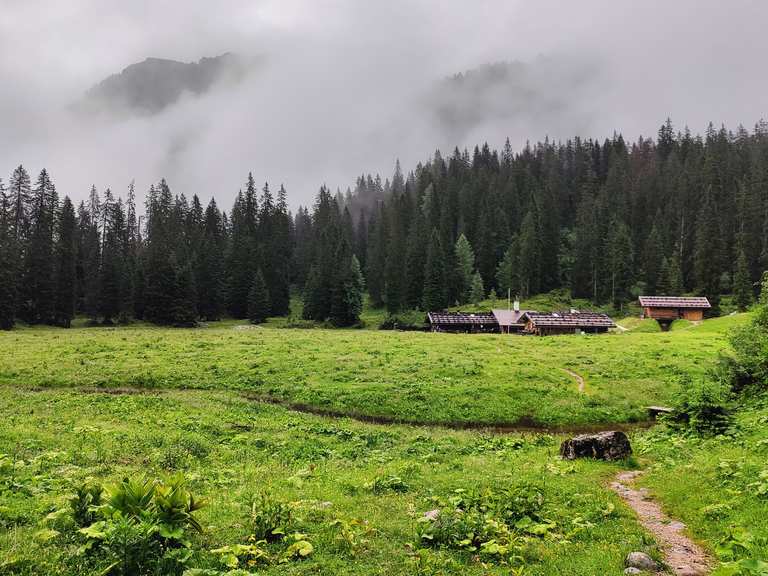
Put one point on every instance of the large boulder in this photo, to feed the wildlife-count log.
(603, 446)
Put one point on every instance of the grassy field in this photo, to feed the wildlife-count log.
(102, 404)
(233, 450)
(411, 377)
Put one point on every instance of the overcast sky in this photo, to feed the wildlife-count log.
(346, 84)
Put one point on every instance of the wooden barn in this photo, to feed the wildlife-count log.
(469, 322)
(666, 309)
(551, 323)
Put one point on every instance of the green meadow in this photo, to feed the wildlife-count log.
(288, 492)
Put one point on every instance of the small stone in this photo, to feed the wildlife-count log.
(432, 514)
(641, 561)
(633, 570)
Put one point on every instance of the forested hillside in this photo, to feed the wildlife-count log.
(606, 220)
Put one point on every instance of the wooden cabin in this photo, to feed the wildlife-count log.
(510, 321)
(467, 322)
(666, 309)
(551, 323)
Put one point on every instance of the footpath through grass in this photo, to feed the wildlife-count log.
(413, 377)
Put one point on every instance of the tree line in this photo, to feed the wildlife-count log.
(605, 220)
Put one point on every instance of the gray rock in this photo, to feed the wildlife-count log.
(633, 570)
(603, 446)
(641, 561)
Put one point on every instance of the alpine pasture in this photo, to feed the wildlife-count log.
(289, 492)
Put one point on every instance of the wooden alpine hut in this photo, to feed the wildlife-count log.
(551, 323)
(666, 309)
(470, 322)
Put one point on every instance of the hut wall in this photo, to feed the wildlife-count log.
(693, 315)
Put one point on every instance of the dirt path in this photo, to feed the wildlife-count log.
(578, 377)
(682, 556)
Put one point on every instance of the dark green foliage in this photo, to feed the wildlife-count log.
(37, 287)
(9, 262)
(259, 304)
(435, 294)
(66, 265)
(602, 220)
(749, 365)
(742, 287)
(348, 296)
(465, 266)
(702, 406)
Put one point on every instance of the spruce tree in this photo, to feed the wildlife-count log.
(435, 294)
(619, 252)
(66, 265)
(507, 278)
(465, 265)
(529, 256)
(674, 283)
(37, 287)
(742, 287)
(210, 273)
(477, 291)
(348, 294)
(8, 261)
(652, 261)
(259, 304)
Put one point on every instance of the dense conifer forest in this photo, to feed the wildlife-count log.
(679, 214)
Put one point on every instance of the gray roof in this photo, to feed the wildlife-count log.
(461, 318)
(570, 319)
(509, 317)
(674, 302)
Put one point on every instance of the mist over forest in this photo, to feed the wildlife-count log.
(319, 92)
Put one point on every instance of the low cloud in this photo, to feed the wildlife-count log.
(344, 87)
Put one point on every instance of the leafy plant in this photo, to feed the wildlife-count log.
(382, 484)
(270, 518)
(352, 535)
(85, 502)
(248, 555)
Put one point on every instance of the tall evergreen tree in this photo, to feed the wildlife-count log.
(619, 251)
(8, 261)
(37, 286)
(465, 266)
(435, 294)
(652, 261)
(259, 303)
(742, 286)
(66, 265)
(477, 291)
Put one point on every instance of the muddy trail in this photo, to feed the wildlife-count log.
(524, 425)
(578, 377)
(682, 556)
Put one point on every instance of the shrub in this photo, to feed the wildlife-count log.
(702, 406)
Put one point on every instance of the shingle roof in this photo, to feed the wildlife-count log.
(571, 319)
(509, 317)
(674, 302)
(461, 318)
